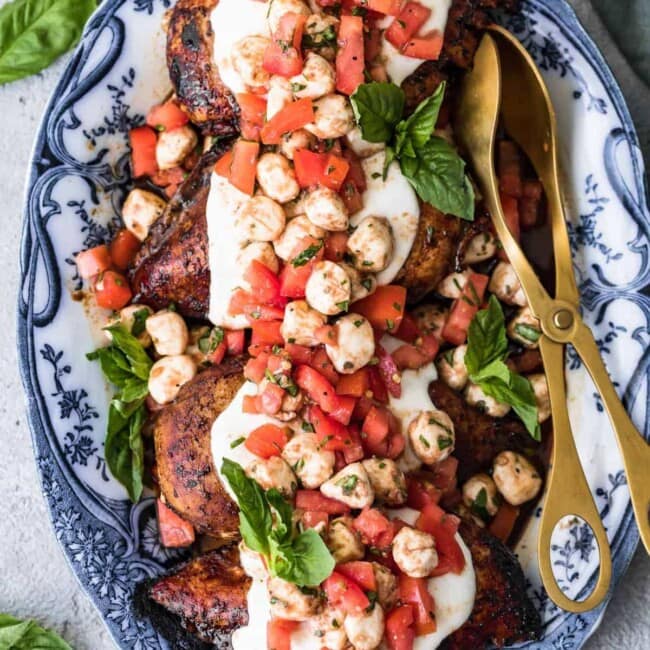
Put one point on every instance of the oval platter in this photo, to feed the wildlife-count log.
(78, 178)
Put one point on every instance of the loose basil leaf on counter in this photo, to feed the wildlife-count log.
(378, 107)
(33, 33)
(28, 635)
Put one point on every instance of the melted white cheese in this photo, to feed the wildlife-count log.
(394, 199)
(231, 21)
(399, 66)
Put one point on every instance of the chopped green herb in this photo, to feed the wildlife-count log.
(425, 442)
(527, 332)
(343, 306)
(237, 442)
(444, 443)
(311, 251)
(348, 483)
(307, 426)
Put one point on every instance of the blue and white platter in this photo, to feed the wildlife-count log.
(78, 178)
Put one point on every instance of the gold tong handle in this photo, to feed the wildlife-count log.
(567, 490)
(634, 449)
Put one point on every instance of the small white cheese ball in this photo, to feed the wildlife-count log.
(296, 230)
(278, 8)
(311, 464)
(316, 79)
(300, 322)
(387, 586)
(475, 396)
(174, 146)
(328, 630)
(290, 602)
(515, 477)
(387, 480)
(343, 541)
(452, 285)
(351, 486)
(360, 285)
(276, 178)
(168, 331)
(328, 288)
(260, 219)
(275, 473)
(361, 147)
(126, 317)
(431, 319)
(355, 344)
(371, 244)
(432, 436)
(543, 399)
(451, 367)
(408, 461)
(481, 247)
(505, 285)
(333, 117)
(414, 552)
(294, 140)
(366, 630)
(321, 31)
(525, 329)
(247, 57)
(168, 375)
(481, 490)
(261, 251)
(140, 210)
(279, 95)
(325, 208)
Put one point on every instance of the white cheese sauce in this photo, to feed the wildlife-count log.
(231, 21)
(394, 199)
(399, 66)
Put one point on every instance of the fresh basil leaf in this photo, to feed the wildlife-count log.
(378, 107)
(496, 369)
(132, 349)
(438, 176)
(312, 562)
(254, 512)
(124, 450)
(139, 322)
(486, 338)
(134, 389)
(28, 635)
(114, 364)
(414, 132)
(304, 256)
(33, 33)
(283, 516)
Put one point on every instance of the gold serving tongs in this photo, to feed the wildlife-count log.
(505, 82)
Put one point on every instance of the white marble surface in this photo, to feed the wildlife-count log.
(34, 578)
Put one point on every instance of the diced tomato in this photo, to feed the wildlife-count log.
(444, 475)
(335, 246)
(362, 408)
(254, 350)
(343, 409)
(215, 357)
(350, 61)
(280, 57)
(360, 572)
(351, 197)
(408, 330)
(235, 341)
(376, 426)
(249, 131)
(412, 16)
(421, 492)
(530, 204)
(354, 451)
(384, 308)
(123, 248)
(167, 117)
(112, 290)
(255, 368)
(278, 633)
(372, 43)
(267, 440)
(357, 384)
(377, 385)
(387, 7)
(375, 529)
(414, 592)
(343, 592)
(443, 526)
(174, 531)
(270, 399)
(326, 334)
(408, 356)
(332, 435)
(292, 117)
(294, 275)
(223, 165)
(299, 353)
(315, 500)
(244, 165)
(504, 521)
(93, 261)
(427, 47)
(250, 405)
(143, 151)
(315, 519)
(388, 371)
(253, 108)
(356, 175)
(265, 285)
(510, 168)
(321, 362)
(167, 177)
(243, 302)
(400, 634)
(266, 333)
(192, 159)
(464, 309)
(335, 172)
(324, 169)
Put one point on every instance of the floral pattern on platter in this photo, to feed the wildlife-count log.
(79, 178)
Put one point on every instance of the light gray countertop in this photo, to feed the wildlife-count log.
(35, 580)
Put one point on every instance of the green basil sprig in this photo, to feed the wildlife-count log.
(27, 635)
(126, 364)
(487, 348)
(266, 525)
(33, 33)
(430, 163)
